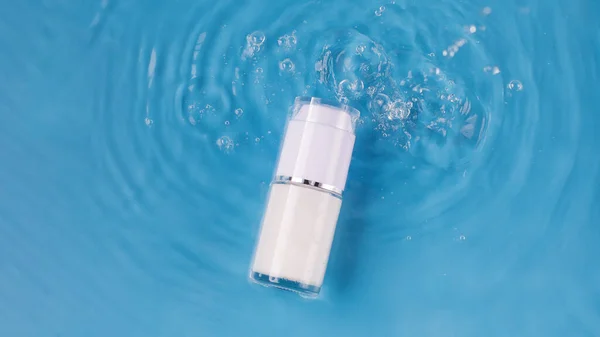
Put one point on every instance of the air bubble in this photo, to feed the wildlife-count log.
(287, 65)
(239, 112)
(225, 143)
(256, 38)
(515, 85)
(351, 89)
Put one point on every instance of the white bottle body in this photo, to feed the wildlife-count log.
(305, 198)
(296, 234)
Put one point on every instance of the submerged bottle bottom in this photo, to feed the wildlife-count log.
(304, 290)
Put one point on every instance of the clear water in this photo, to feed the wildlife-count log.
(138, 138)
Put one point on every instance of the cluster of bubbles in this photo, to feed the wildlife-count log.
(423, 105)
(225, 143)
(354, 68)
(288, 41)
(494, 70)
(379, 11)
(453, 49)
(423, 110)
(254, 43)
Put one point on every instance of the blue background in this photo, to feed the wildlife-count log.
(138, 140)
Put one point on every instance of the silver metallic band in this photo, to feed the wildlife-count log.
(305, 182)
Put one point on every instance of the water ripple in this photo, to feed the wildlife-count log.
(139, 145)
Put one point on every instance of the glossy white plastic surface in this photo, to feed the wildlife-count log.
(318, 144)
(296, 234)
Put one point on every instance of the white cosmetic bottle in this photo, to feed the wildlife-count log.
(305, 197)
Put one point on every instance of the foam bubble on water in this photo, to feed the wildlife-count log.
(225, 143)
(287, 65)
(515, 85)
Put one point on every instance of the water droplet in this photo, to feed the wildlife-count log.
(287, 65)
(225, 143)
(515, 85)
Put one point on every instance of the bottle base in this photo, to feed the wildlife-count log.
(304, 290)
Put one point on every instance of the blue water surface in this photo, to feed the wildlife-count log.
(138, 140)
